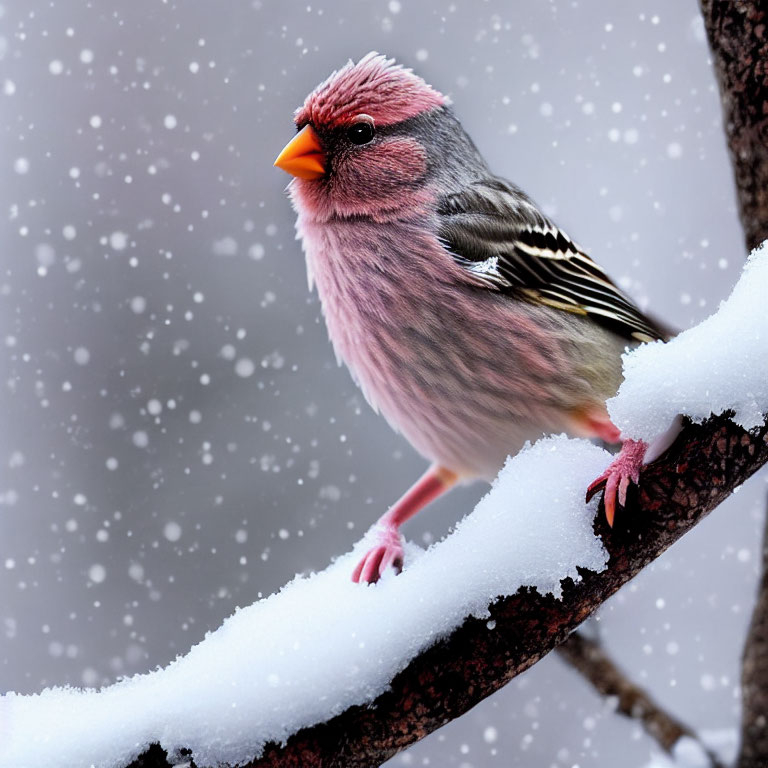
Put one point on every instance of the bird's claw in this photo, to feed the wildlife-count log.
(625, 468)
(387, 552)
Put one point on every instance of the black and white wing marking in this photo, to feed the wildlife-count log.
(494, 231)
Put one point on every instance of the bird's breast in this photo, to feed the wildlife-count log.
(466, 374)
(381, 290)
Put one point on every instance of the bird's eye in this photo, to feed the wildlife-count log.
(361, 132)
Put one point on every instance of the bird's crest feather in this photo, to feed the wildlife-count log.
(374, 86)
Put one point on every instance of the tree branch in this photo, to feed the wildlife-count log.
(754, 678)
(738, 37)
(589, 658)
(698, 472)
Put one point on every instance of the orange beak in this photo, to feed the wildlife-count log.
(303, 156)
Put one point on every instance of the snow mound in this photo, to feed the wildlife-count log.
(322, 643)
(718, 365)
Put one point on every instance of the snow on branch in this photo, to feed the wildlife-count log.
(290, 680)
(716, 366)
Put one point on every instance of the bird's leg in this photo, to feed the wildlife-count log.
(388, 549)
(625, 468)
(593, 421)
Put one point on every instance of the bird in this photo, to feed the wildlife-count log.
(469, 320)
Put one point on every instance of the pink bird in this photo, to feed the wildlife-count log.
(468, 319)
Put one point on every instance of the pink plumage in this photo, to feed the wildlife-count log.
(469, 320)
(429, 355)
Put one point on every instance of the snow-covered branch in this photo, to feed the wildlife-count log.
(703, 467)
(327, 672)
(446, 680)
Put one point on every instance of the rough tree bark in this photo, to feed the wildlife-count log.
(738, 37)
(591, 661)
(698, 472)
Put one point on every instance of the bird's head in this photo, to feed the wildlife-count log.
(359, 149)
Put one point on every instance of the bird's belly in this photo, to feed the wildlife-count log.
(457, 405)
(466, 375)
(463, 422)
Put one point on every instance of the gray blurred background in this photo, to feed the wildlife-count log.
(177, 439)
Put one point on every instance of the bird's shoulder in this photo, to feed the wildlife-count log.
(493, 230)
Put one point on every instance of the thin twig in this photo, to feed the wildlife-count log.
(589, 658)
(754, 678)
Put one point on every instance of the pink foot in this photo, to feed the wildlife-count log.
(388, 551)
(623, 469)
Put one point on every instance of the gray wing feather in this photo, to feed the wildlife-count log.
(495, 232)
